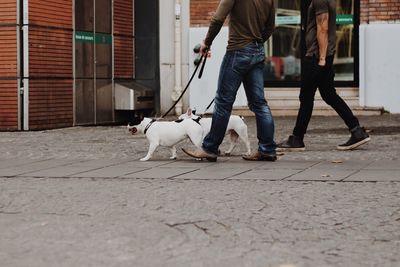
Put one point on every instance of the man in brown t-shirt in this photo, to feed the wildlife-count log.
(251, 23)
(318, 72)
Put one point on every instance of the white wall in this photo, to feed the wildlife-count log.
(167, 50)
(202, 91)
(380, 66)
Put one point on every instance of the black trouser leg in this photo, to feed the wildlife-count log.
(307, 93)
(329, 95)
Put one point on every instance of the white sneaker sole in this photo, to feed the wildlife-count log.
(353, 146)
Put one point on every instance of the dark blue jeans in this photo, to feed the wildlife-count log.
(242, 66)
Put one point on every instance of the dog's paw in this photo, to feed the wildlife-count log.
(144, 159)
(227, 153)
(172, 157)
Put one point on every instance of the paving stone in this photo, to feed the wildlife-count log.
(288, 164)
(212, 173)
(61, 171)
(315, 174)
(219, 215)
(160, 173)
(189, 164)
(34, 166)
(375, 176)
(109, 172)
(384, 165)
(339, 164)
(272, 175)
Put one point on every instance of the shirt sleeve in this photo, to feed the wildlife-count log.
(321, 6)
(217, 21)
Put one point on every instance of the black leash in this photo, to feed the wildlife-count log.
(209, 105)
(190, 80)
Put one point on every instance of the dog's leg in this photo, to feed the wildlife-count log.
(244, 136)
(196, 137)
(152, 148)
(173, 152)
(233, 138)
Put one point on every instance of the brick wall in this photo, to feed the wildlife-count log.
(201, 12)
(50, 64)
(380, 10)
(8, 66)
(123, 39)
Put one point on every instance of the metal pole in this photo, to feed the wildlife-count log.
(178, 58)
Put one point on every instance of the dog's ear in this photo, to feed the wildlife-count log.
(135, 121)
(189, 112)
(194, 112)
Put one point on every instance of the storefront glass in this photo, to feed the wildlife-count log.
(283, 49)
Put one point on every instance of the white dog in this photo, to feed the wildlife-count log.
(167, 133)
(236, 129)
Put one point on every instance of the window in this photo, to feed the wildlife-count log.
(283, 49)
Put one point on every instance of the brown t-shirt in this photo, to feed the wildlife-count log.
(316, 8)
(250, 20)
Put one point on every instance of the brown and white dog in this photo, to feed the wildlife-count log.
(167, 133)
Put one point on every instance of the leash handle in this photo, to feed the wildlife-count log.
(204, 64)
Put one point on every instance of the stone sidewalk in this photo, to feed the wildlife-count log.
(80, 197)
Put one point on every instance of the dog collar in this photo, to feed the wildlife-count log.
(148, 126)
(197, 120)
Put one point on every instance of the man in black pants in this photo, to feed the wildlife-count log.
(318, 72)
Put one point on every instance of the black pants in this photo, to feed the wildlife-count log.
(313, 77)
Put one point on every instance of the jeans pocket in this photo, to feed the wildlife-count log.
(241, 62)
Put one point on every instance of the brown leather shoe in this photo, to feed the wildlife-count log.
(257, 156)
(201, 154)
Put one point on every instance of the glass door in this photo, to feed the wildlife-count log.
(283, 49)
(286, 46)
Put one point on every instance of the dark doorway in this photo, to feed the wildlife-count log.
(147, 46)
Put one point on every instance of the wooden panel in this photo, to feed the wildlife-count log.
(56, 13)
(8, 52)
(123, 57)
(123, 17)
(50, 53)
(8, 12)
(8, 105)
(50, 104)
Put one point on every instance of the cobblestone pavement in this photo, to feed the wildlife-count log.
(80, 197)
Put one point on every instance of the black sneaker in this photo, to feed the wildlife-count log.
(357, 138)
(292, 144)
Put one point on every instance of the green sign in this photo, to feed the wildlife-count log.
(101, 38)
(84, 37)
(344, 19)
(295, 20)
(90, 37)
(285, 20)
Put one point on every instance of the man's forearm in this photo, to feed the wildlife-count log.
(322, 36)
(217, 21)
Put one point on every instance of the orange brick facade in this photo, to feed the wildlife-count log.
(48, 52)
(8, 65)
(50, 64)
(379, 10)
(370, 11)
